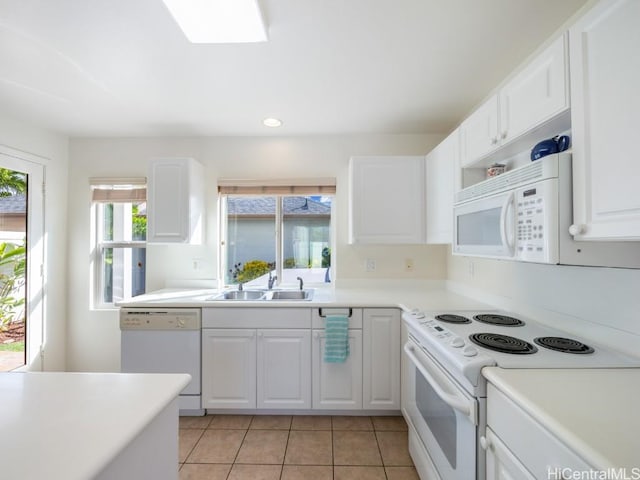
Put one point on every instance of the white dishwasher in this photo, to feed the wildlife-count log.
(155, 340)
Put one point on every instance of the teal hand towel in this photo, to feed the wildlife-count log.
(336, 348)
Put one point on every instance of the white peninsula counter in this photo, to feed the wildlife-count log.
(80, 426)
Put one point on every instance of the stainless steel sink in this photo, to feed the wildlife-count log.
(240, 295)
(262, 295)
(290, 295)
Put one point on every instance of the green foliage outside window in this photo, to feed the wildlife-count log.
(12, 283)
(251, 270)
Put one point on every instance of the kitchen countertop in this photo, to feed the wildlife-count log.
(71, 425)
(592, 411)
(381, 295)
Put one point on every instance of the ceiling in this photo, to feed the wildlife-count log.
(124, 67)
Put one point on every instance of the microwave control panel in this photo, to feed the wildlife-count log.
(531, 234)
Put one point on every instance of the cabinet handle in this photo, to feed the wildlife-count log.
(577, 229)
(485, 443)
(494, 140)
(504, 134)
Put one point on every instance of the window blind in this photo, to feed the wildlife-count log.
(312, 186)
(118, 190)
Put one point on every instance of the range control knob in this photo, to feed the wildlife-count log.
(457, 342)
(469, 351)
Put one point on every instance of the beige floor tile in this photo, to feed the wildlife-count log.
(394, 447)
(389, 424)
(204, 471)
(359, 473)
(231, 422)
(263, 447)
(187, 439)
(217, 446)
(195, 422)
(352, 423)
(355, 448)
(271, 422)
(401, 473)
(311, 422)
(307, 472)
(255, 472)
(309, 448)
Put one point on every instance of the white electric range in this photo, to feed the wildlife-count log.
(444, 398)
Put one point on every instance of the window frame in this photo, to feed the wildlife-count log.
(223, 249)
(97, 233)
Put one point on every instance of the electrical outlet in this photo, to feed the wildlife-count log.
(370, 265)
(408, 264)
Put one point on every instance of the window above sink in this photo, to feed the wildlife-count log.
(276, 233)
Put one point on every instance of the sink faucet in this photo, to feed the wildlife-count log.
(240, 287)
(301, 282)
(272, 280)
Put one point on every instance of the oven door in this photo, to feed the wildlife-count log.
(443, 415)
(485, 227)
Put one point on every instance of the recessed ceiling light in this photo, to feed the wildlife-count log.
(219, 21)
(272, 122)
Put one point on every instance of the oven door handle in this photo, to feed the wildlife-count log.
(460, 404)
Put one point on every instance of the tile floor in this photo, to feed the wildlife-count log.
(280, 447)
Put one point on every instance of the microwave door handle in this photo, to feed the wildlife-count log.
(462, 405)
(504, 235)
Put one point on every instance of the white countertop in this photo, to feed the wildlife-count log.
(592, 411)
(71, 425)
(381, 294)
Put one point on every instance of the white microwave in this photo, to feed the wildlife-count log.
(525, 215)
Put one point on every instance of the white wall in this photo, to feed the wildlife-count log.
(94, 337)
(602, 304)
(54, 150)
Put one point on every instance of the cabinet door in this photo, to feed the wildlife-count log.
(536, 94)
(386, 203)
(284, 369)
(501, 463)
(337, 386)
(174, 201)
(441, 163)
(605, 114)
(479, 132)
(381, 359)
(228, 368)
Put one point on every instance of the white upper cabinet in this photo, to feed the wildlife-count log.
(175, 189)
(386, 202)
(530, 98)
(479, 132)
(536, 94)
(605, 75)
(441, 165)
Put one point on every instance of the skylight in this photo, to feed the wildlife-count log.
(219, 21)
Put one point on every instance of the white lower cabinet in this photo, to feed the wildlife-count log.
(501, 462)
(228, 368)
(519, 447)
(337, 386)
(381, 359)
(274, 359)
(283, 369)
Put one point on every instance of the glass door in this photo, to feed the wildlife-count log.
(21, 260)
